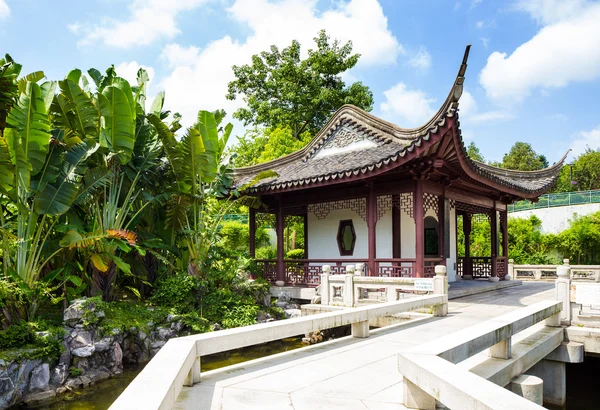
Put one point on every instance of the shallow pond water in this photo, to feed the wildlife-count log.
(101, 395)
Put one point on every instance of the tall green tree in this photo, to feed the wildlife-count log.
(281, 89)
(522, 157)
(582, 174)
(261, 145)
(474, 153)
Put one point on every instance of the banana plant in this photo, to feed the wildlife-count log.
(40, 177)
(113, 194)
(202, 173)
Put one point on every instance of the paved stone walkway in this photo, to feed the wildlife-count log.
(347, 373)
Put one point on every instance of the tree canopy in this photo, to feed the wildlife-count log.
(582, 175)
(282, 89)
(259, 145)
(474, 153)
(522, 157)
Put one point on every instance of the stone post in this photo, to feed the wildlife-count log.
(528, 387)
(348, 296)
(440, 287)
(359, 269)
(325, 299)
(562, 291)
(511, 270)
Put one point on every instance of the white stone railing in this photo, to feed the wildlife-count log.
(177, 364)
(353, 289)
(431, 374)
(548, 272)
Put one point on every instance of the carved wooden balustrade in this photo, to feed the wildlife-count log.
(307, 272)
(481, 266)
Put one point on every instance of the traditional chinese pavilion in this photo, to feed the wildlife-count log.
(389, 197)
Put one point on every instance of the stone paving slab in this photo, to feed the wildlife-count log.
(346, 373)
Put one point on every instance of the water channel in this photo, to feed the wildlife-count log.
(101, 395)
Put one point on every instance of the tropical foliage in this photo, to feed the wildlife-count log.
(98, 196)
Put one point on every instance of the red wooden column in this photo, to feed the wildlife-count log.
(504, 227)
(441, 229)
(306, 236)
(420, 229)
(279, 227)
(396, 228)
(371, 229)
(494, 240)
(252, 226)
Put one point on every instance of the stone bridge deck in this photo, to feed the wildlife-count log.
(347, 373)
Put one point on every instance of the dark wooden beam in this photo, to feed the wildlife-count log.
(372, 232)
(396, 228)
(494, 240)
(252, 226)
(279, 227)
(420, 229)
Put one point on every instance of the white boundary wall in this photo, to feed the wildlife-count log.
(556, 220)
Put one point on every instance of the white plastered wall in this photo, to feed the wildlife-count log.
(322, 235)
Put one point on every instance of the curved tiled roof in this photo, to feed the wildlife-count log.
(355, 143)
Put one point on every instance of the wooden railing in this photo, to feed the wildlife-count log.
(307, 272)
(481, 266)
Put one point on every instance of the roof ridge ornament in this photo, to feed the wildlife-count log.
(460, 78)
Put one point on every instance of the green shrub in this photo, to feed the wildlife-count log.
(243, 315)
(75, 371)
(295, 254)
(16, 336)
(179, 291)
(266, 252)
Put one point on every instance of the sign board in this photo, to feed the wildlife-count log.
(587, 294)
(424, 285)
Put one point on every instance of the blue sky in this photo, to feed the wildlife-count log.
(534, 68)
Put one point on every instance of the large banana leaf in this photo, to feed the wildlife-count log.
(18, 158)
(57, 198)
(119, 132)
(81, 111)
(7, 169)
(173, 150)
(207, 126)
(30, 118)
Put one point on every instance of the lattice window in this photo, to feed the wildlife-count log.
(406, 203)
(358, 205)
(384, 205)
(431, 201)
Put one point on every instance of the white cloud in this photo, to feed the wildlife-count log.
(407, 108)
(4, 10)
(552, 11)
(469, 111)
(73, 27)
(148, 21)
(584, 140)
(421, 60)
(199, 77)
(564, 51)
(485, 41)
(129, 71)
(479, 24)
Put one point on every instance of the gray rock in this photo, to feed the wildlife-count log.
(177, 327)
(97, 375)
(65, 356)
(85, 351)
(59, 375)
(116, 357)
(42, 334)
(164, 334)
(157, 344)
(40, 378)
(102, 346)
(171, 317)
(74, 313)
(291, 313)
(142, 335)
(83, 338)
(7, 392)
(39, 397)
(24, 373)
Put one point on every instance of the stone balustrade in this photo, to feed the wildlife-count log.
(549, 272)
(353, 289)
(431, 372)
(178, 362)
